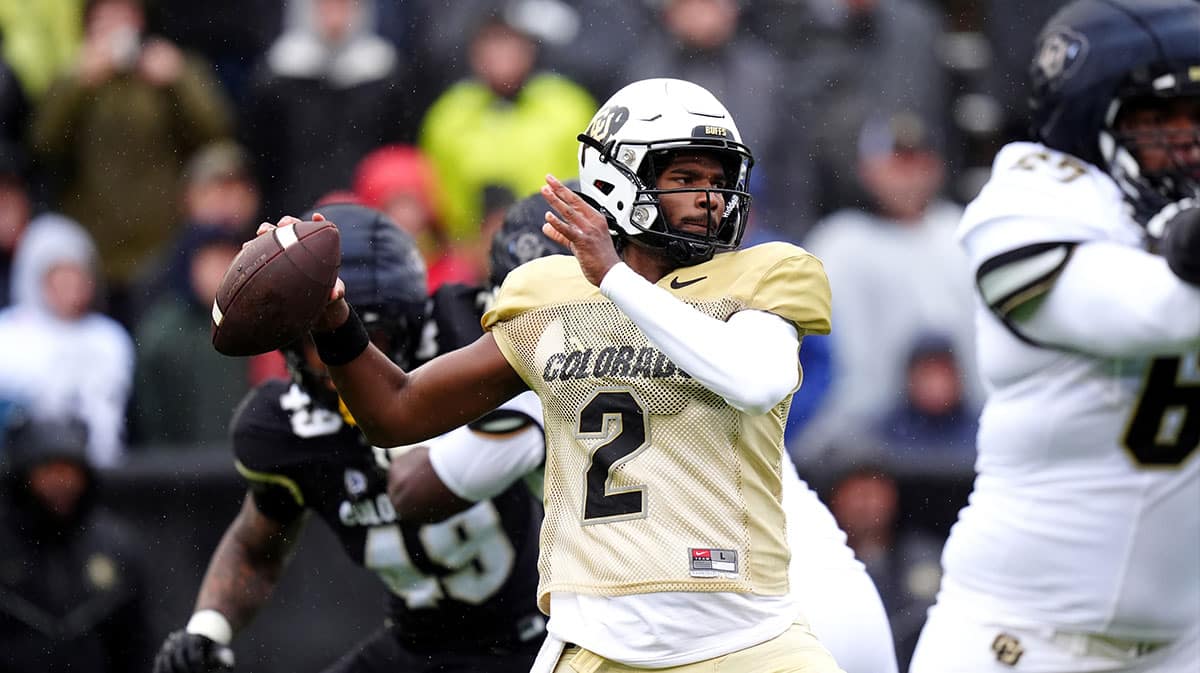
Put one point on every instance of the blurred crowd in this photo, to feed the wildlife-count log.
(143, 140)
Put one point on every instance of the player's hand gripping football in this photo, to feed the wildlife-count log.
(581, 228)
(184, 652)
(337, 310)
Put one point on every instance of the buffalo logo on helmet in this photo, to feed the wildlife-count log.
(528, 246)
(607, 122)
(1059, 54)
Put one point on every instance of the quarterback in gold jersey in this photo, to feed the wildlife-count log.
(665, 359)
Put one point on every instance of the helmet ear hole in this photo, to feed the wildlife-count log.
(620, 205)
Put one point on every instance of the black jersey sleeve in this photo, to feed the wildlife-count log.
(455, 315)
(261, 435)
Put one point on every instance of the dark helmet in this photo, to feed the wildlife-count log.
(385, 282)
(1095, 57)
(520, 237)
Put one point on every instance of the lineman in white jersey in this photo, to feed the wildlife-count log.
(1080, 548)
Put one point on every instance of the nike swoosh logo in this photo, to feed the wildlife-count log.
(676, 285)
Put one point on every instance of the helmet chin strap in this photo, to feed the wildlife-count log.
(681, 253)
(686, 254)
(678, 251)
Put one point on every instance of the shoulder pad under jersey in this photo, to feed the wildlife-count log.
(455, 311)
(277, 426)
(1039, 195)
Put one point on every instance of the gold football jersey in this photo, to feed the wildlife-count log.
(653, 483)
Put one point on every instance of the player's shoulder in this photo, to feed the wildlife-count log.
(278, 426)
(259, 410)
(458, 298)
(742, 271)
(545, 281)
(1039, 204)
(454, 313)
(1038, 194)
(765, 254)
(777, 277)
(548, 269)
(1041, 171)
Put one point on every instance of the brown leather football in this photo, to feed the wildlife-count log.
(275, 288)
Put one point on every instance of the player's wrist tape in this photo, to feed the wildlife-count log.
(341, 345)
(212, 625)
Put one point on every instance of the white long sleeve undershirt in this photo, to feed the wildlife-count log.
(1117, 301)
(477, 466)
(749, 360)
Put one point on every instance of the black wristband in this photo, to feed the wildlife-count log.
(341, 345)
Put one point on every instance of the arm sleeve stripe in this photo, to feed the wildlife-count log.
(1009, 281)
(268, 478)
(501, 422)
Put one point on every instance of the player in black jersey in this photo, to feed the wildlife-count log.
(461, 569)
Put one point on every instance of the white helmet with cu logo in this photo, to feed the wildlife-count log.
(631, 140)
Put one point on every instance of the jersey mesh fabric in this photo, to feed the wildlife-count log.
(707, 473)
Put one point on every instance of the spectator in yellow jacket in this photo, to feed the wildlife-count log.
(506, 126)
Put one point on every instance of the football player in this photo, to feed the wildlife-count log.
(665, 361)
(833, 588)
(461, 574)
(1080, 547)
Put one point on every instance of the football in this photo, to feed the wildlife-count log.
(275, 288)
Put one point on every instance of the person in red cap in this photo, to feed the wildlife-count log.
(398, 180)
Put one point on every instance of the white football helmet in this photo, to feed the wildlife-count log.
(630, 141)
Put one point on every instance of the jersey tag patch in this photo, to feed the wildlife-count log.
(713, 562)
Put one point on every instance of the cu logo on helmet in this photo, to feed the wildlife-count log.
(607, 122)
(1060, 54)
(528, 246)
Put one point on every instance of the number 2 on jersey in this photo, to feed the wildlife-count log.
(617, 417)
(1165, 427)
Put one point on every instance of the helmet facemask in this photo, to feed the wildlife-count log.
(1154, 166)
(641, 164)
